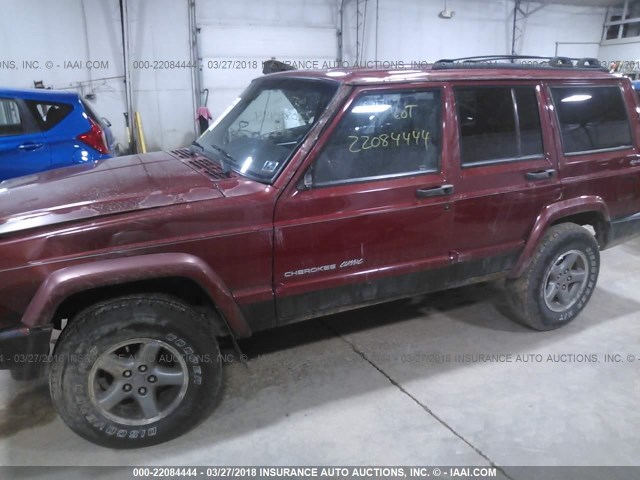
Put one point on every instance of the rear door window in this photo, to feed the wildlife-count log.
(48, 115)
(10, 121)
(498, 124)
(591, 118)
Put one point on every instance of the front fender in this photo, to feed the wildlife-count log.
(551, 214)
(65, 282)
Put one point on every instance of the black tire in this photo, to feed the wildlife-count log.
(182, 351)
(534, 298)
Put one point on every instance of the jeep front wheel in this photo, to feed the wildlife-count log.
(135, 371)
(559, 281)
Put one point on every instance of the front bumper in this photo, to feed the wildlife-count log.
(24, 351)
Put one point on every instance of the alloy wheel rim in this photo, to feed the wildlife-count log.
(566, 281)
(138, 381)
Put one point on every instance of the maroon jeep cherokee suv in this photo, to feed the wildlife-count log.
(314, 193)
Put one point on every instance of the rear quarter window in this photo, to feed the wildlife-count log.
(47, 114)
(591, 118)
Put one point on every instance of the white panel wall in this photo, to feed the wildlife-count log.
(625, 52)
(159, 32)
(410, 30)
(244, 33)
(233, 55)
(560, 23)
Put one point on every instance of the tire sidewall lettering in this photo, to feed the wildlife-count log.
(189, 356)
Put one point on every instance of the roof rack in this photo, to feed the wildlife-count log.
(527, 62)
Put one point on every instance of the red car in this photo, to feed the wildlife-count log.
(316, 192)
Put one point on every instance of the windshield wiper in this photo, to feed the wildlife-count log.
(195, 144)
(226, 168)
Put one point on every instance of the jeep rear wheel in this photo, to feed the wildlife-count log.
(559, 281)
(135, 371)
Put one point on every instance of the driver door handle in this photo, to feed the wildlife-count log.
(30, 146)
(434, 192)
(541, 175)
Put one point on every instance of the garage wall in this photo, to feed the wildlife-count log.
(626, 52)
(567, 25)
(235, 38)
(412, 31)
(162, 93)
(40, 30)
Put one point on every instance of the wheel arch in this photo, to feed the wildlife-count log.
(585, 210)
(68, 290)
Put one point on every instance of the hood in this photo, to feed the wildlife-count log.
(111, 186)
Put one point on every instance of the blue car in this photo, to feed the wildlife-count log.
(636, 86)
(45, 129)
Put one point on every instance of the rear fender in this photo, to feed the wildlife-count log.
(550, 215)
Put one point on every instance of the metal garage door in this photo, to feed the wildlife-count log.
(232, 55)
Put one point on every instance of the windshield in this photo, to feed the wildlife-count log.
(258, 134)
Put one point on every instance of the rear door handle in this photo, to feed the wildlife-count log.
(542, 175)
(30, 146)
(434, 192)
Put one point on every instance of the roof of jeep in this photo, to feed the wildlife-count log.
(377, 76)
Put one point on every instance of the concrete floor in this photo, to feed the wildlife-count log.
(360, 388)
